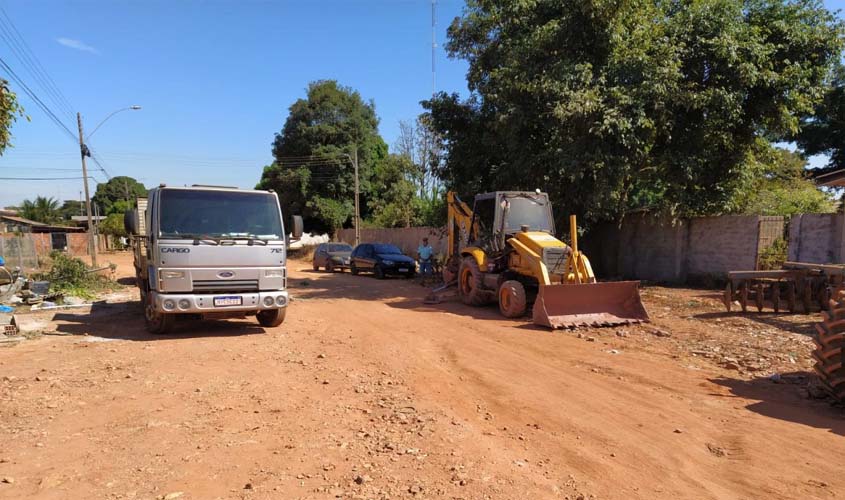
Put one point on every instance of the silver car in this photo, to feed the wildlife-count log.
(332, 256)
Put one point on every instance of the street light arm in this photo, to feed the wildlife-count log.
(107, 118)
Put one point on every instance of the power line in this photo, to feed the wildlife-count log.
(41, 178)
(35, 98)
(9, 32)
(41, 168)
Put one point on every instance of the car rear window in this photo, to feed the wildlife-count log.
(387, 249)
(340, 248)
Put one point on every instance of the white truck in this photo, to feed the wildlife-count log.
(210, 252)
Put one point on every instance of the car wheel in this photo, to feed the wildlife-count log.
(353, 270)
(271, 318)
(329, 267)
(379, 272)
(316, 267)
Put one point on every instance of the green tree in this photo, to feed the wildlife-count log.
(824, 131)
(612, 106)
(71, 208)
(10, 110)
(780, 186)
(117, 189)
(42, 209)
(395, 202)
(311, 163)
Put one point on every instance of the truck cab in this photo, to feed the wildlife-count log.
(210, 252)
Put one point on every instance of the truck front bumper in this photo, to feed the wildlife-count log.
(204, 303)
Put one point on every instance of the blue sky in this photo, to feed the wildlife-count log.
(214, 78)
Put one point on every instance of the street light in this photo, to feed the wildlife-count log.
(83, 152)
(134, 107)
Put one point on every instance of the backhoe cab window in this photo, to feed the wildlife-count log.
(532, 211)
(484, 214)
(219, 214)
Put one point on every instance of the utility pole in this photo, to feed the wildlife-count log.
(357, 205)
(83, 152)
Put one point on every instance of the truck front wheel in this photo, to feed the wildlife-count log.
(271, 318)
(157, 322)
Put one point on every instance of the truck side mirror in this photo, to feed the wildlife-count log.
(130, 221)
(296, 226)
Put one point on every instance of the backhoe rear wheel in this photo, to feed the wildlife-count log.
(830, 348)
(512, 301)
(470, 283)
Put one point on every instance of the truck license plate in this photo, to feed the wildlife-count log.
(227, 301)
(403, 270)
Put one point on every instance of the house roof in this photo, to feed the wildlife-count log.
(21, 220)
(830, 177)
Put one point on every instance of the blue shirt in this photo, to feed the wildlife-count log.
(425, 252)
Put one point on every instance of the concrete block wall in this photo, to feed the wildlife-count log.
(816, 238)
(721, 244)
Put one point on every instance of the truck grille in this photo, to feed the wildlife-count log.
(555, 259)
(211, 286)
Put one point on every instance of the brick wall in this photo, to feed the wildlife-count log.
(816, 238)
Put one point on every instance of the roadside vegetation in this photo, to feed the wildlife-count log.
(70, 276)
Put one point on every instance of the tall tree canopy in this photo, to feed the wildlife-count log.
(117, 195)
(312, 172)
(824, 131)
(617, 105)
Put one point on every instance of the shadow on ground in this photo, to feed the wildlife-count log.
(125, 321)
(788, 401)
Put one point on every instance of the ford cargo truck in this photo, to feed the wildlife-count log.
(210, 252)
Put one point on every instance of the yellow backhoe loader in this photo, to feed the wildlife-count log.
(504, 250)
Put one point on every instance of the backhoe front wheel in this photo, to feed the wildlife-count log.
(512, 301)
(470, 283)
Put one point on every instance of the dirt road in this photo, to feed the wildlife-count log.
(365, 392)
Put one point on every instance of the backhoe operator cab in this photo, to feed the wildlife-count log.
(499, 215)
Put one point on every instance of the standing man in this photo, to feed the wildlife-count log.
(425, 253)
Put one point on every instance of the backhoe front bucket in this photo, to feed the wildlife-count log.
(592, 304)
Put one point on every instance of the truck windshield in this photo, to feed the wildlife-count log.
(529, 210)
(219, 214)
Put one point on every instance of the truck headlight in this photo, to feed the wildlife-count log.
(184, 303)
(269, 301)
(169, 275)
(274, 273)
(280, 300)
(169, 304)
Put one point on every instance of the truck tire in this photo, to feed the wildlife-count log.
(471, 282)
(156, 322)
(512, 300)
(271, 318)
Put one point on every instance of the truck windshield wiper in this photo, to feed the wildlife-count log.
(251, 240)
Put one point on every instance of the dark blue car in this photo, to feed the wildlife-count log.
(382, 260)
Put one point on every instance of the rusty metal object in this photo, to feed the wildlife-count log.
(591, 304)
(810, 284)
(829, 353)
